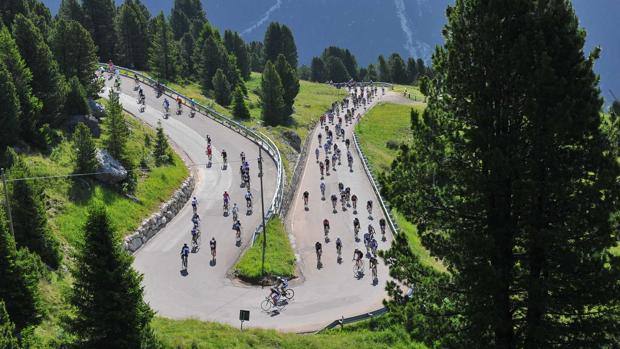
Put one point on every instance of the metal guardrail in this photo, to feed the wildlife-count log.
(349, 320)
(258, 138)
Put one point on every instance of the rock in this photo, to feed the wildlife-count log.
(97, 109)
(293, 139)
(114, 171)
(133, 242)
(90, 121)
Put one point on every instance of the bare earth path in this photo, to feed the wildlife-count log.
(206, 292)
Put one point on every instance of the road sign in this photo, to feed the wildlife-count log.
(244, 315)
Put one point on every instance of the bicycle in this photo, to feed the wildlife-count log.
(373, 269)
(196, 240)
(268, 303)
(184, 262)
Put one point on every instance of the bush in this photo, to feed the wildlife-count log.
(392, 144)
(76, 103)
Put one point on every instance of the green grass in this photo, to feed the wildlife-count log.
(279, 255)
(198, 334)
(413, 92)
(391, 122)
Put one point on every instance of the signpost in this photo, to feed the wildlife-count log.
(244, 315)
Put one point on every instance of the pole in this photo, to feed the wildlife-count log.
(262, 201)
(6, 201)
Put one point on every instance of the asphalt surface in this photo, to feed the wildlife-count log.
(205, 291)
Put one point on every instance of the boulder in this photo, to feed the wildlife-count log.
(114, 171)
(293, 139)
(90, 121)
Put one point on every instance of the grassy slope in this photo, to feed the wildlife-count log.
(390, 122)
(68, 200)
(197, 334)
(279, 255)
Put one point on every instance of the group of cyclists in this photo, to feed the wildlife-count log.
(332, 129)
(195, 241)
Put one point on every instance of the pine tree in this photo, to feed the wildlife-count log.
(421, 67)
(76, 102)
(209, 56)
(18, 290)
(257, 56)
(29, 105)
(161, 152)
(71, 10)
(290, 83)
(184, 15)
(30, 217)
(7, 328)
(272, 99)
(85, 150)
(345, 56)
(240, 109)
(163, 53)
(235, 45)
(107, 296)
(397, 69)
(384, 70)
(47, 83)
(9, 122)
(186, 51)
(317, 70)
(279, 40)
(99, 21)
(75, 51)
(372, 73)
(131, 24)
(412, 70)
(221, 88)
(116, 131)
(511, 186)
(336, 71)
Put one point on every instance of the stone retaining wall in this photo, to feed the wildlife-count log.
(159, 219)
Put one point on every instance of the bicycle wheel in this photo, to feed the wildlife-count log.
(266, 304)
(289, 294)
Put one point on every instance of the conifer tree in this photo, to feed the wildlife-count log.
(75, 51)
(290, 83)
(76, 102)
(186, 51)
(513, 185)
(279, 40)
(240, 109)
(30, 217)
(221, 88)
(412, 70)
(116, 132)
(7, 328)
(336, 71)
(29, 105)
(209, 56)
(9, 122)
(257, 56)
(397, 68)
(47, 82)
(384, 70)
(235, 45)
(71, 10)
(163, 53)
(107, 296)
(99, 21)
(85, 150)
(317, 70)
(272, 93)
(161, 152)
(131, 24)
(372, 73)
(18, 290)
(421, 67)
(184, 15)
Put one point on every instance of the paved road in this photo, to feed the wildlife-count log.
(206, 292)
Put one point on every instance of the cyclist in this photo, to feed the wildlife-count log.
(248, 199)
(184, 255)
(327, 165)
(339, 247)
(369, 208)
(306, 196)
(374, 246)
(195, 235)
(373, 266)
(195, 204)
(357, 257)
(275, 295)
(371, 230)
(356, 227)
(322, 168)
(212, 245)
(326, 226)
(347, 194)
(319, 250)
(224, 156)
(350, 161)
(281, 284)
(237, 228)
(347, 142)
(317, 152)
(179, 104)
(235, 212)
(320, 138)
(354, 202)
(343, 200)
(334, 159)
(166, 104)
(382, 226)
(208, 140)
(334, 201)
(196, 220)
(226, 199)
(193, 112)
